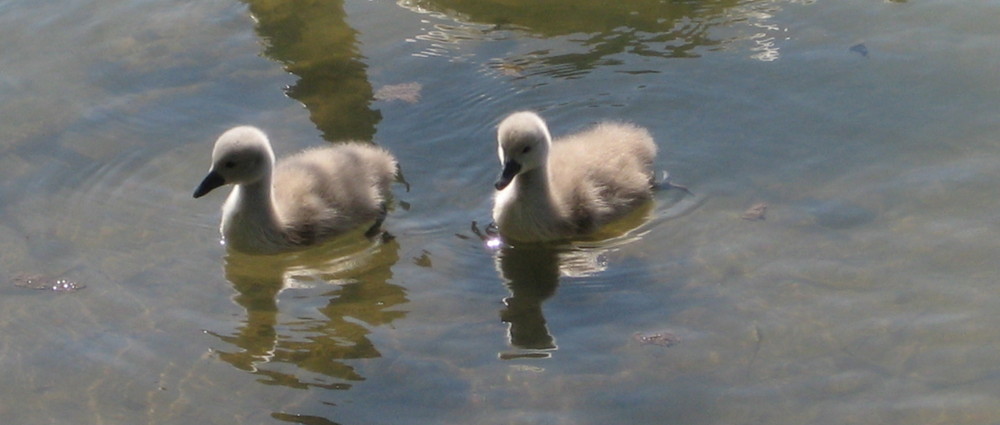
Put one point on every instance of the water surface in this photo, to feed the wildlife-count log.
(866, 295)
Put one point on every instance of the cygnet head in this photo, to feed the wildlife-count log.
(523, 144)
(242, 155)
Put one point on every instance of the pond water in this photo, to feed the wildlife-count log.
(867, 293)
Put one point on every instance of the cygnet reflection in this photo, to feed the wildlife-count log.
(311, 310)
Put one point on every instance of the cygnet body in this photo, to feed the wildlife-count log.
(307, 198)
(556, 190)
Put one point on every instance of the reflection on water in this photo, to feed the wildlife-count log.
(532, 273)
(352, 281)
(313, 41)
(599, 30)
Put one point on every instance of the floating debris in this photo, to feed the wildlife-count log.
(663, 339)
(510, 69)
(860, 49)
(424, 260)
(45, 283)
(407, 92)
(755, 212)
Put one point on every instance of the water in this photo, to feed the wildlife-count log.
(867, 295)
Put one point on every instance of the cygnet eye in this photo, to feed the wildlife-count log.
(229, 164)
(526, 149)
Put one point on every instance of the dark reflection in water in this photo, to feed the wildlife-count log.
(532, 275)
(353, 280)
(674, 29)
(313, 41)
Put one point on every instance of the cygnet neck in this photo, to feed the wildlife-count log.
(253, 215)
(536, 188)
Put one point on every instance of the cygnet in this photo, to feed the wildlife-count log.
(309, 197)
(567, 188)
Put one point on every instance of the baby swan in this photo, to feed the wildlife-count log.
(572, 186)
(307, 198)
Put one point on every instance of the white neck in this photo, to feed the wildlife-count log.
(249, 219)
(533, 187)
(529, 210)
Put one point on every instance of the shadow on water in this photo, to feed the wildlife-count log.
(346, 284)
(312, 40)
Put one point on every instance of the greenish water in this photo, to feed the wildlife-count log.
(867, 295)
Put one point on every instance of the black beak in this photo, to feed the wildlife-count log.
(510, 169)
(212, 181)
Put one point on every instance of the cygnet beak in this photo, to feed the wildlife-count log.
(212, 181)
(510, 169)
